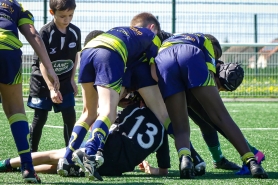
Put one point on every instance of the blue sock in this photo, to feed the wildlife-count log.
(99, 135)
(20, 130)
(78, 133)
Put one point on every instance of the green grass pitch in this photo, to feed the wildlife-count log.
(258, 121)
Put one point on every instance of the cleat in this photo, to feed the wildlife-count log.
(30, 176)
(200, 169)
(199, 165)
(243, 171)
(3, 167)
(257, 170)
(66, 169)
(77, 158)
(91, 163)
(225, 164)
(186, 167)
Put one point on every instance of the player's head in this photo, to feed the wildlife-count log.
(92, 35)
(62, 10)
(229, 75)
(163, 35)
(146, 20)
(216, 45)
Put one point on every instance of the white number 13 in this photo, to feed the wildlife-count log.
(151, 133)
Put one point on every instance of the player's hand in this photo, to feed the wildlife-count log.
(145, 167)
(56, 96)
(54, 78)
(74, 86)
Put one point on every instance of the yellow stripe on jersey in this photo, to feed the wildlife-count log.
(209, 47)
(109, 41)
(157, 41)
(8, 40)
(211, 67)
(168, 44)
(25, 21)
(209, 81)
(17, 117)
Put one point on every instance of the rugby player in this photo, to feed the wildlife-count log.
(13, 17)
(63, 42)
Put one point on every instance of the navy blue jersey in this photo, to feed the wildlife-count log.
(12, 16)
(196, 39)
(137, 134)
(130, 42)
(62, 49)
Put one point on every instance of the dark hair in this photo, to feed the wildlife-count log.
(92, 35)
(216, 45)
(61, 5)
(144, 19)
(163, 35)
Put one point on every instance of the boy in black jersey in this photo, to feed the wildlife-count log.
(63, 42)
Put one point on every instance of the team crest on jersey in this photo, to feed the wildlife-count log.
(62, 66)
(72, 45)
(53, 50)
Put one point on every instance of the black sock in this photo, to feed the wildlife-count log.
(39, 120)
(69, 118)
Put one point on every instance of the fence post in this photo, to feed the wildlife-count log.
(173, 16)
(256, 40)
(44, 11)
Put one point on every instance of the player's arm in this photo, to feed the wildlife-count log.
(74, 86)
(33, 37)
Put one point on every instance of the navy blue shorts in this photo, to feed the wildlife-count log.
(102, 66)
(138, 76)
(47, 104)
(10, 66)
(181, 67)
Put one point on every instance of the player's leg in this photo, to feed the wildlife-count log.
(69, 118)
(14, 110)
(212, 103)
(181, 130)
(39, 120)
(109, 68)
(172, 86)
(87, 77)
(68, 114)
(81, 127)
(198, 109)
(211, 138)
(12, 102)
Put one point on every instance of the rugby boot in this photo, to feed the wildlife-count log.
(91, 163)
(256, 169)
(186, 167)
(225, 164)
(29, 176)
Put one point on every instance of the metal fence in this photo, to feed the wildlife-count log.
(231, 21)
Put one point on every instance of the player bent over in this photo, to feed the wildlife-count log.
(102, 66)
(182, 65)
